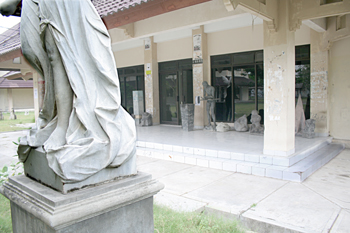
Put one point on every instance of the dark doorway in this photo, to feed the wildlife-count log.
(176, 87)
(131, 79)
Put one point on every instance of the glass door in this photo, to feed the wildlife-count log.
(186, 88)
(223, 93)
(244, 90)
(169, 98)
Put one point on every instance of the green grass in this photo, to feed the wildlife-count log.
(246, 108)
(5, 215)
(7, 125)
(169, 221)
(165, 221)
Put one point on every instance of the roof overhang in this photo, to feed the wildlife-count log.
(11, 55)
(146, 10)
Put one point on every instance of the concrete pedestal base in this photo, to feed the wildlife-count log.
(124, 205)
(187, 115)
(37, 167)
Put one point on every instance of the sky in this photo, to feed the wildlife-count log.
(8, 22)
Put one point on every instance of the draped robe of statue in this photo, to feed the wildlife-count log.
(100, 133)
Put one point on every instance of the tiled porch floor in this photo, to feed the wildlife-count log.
(239, 142)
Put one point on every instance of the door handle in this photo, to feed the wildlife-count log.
(177, 98)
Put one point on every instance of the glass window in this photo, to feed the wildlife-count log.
(168, 66)
(302, 77)
(223, 93)
(244, 83)
(302, 52)
(259, 56)
(131, 79)
(221, 60)
(176, 87)
(239, 86)
(243, 58)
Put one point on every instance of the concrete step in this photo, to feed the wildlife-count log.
(228, 161)
(298, 156)
(303, 169)
(244, 157)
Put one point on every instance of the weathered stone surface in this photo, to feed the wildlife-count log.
(36, 167)
(222, 127)
(82, 126)
(209, 95)
(187, 116)
(124, 205)
(146, 119)
(13, 115)
(299, 117)
(255, 120)
(309, 129)
(241, 124)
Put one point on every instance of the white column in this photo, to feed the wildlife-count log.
(279, 86)
(200, 73)
(319, 83)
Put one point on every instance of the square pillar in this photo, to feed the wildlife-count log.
(200, 73)
(279, 86)
(152, 80)
(319, 83)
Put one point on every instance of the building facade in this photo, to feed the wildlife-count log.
(258, 54)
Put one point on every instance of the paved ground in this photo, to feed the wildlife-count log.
(319, 204)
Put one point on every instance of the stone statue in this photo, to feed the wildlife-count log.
(241, 124)
(209, 95)
(146, 119)
(255, 120)
(299, 117)
(82, 126)
(222, 127)
(13, 115)
(309, 129)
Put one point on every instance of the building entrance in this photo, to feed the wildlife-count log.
(176, 87)
(238, 80)
(131, 79)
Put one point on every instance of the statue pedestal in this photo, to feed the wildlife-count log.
(187, 116)
(37, 167)
(124, 205)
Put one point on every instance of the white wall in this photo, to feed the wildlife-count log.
(22, 99)
(174, 50)
(3, 100)
(235, 40)
(222, 42)
(302, 35)
(129, 57)
(339, 89)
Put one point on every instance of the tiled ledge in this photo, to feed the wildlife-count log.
(246, 157)
(239, 162)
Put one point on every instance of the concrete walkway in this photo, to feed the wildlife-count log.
(319, 204)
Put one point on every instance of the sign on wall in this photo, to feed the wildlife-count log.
(197, 49)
